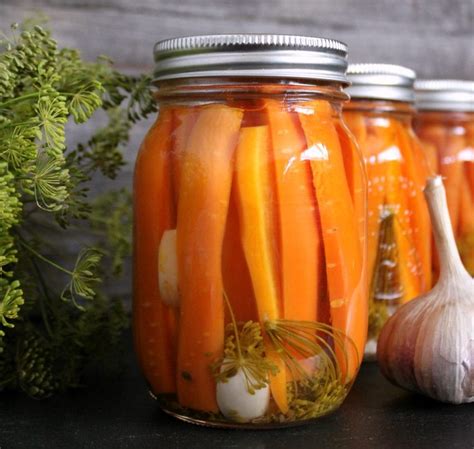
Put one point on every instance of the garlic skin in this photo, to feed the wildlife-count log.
(237, 404)
(427, 346)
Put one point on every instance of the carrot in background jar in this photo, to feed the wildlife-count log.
(416, 170)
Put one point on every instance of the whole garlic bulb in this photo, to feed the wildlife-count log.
(427, 346)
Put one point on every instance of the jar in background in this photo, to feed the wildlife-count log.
(445, 124)
(399, 233)
(249, 232)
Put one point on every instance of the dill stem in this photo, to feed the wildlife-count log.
(19, 99)
(41, 300)
(234, 325)
(30, 96)
(45, 259)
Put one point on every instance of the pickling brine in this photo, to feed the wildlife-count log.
(399, 231)
(250, 260)
(445, 125)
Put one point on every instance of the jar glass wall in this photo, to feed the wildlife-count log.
(249, 265)
(445, 125)
(399, 231)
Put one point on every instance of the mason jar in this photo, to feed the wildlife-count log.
(379, 115)
(445, 124)
(250, 304)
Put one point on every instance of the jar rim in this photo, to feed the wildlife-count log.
(445, 95)
(251, 55)
(373, 81)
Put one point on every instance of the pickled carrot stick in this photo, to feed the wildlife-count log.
(153, 214)
(235, 272)
(255, 190)
(466, 227)
(436, 136)
(469, 169)
(451, 169)
(184, 119)
(206, 177)
(432, 132)
(377, 149)
(397, 203)
(355, 121)
(469, 160)
(356, 177)
(431, 155)
(344, 258)
(466, 215)
(300, 240)
(416, 169)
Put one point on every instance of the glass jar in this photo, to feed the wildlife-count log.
(399, 253)
(445, 124)
(249, 241)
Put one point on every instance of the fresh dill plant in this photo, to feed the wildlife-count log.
(49, 334)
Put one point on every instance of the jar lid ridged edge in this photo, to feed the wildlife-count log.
(444, 84)
(229, 41)
(381, 69)
(445, 95)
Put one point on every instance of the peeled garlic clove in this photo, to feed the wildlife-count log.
(428, 344)
(168, 269)
(237, 404)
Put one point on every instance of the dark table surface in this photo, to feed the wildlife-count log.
(121, 414)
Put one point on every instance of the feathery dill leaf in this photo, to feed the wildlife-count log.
(50, 334)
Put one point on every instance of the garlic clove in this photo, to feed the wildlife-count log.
(168, 269)
(428, 344)
(237, 404)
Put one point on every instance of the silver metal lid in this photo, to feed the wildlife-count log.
(445, 95)
(381, 82)
(251, 55)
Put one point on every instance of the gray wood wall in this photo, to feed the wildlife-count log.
(434, 37)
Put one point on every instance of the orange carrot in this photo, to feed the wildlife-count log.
(469, 169)
(153, 212)
(235, 272)
(466, 227)
(356, 177)
(255, 193)
(451, 169)
(434, 134)
(416, 170)
(469, 160)
(397, 203)
(466, 216)
(300, 241)
(356, 123)
(183, 122)
(206, 177)
(377, 150)
(431, 155)
(344, 258)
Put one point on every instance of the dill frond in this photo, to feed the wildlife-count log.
(46, 329)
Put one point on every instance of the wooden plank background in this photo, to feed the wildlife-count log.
(434, 37)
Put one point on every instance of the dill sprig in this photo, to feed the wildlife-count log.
(244, 351)
(46, 329)
(321, 387)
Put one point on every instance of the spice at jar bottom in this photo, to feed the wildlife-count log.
(250, 301)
